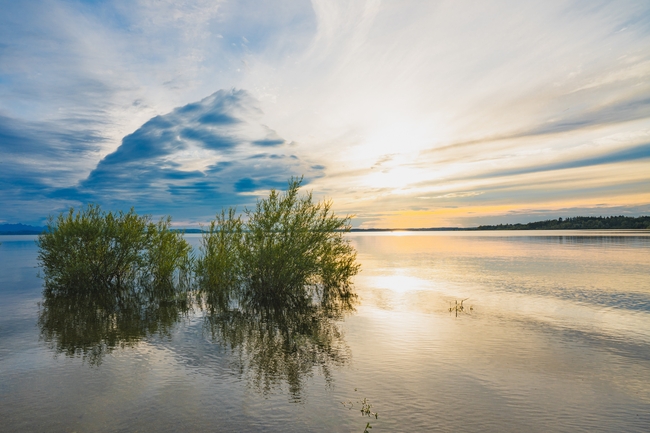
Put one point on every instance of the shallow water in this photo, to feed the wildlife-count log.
(554, 336)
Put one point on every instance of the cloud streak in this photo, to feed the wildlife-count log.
(492, 107)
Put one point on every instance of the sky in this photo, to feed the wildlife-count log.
(403, 113)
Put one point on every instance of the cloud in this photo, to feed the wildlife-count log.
(629, 154)
(22, 139)
(398, 100)
(631, 109)
(36, 159)
(194, 160)
(190, 163)
(454, 195)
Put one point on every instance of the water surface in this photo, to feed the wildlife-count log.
(557, 339)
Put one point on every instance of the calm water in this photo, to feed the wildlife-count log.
(557, 339)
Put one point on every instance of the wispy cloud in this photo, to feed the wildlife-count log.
(478, 107)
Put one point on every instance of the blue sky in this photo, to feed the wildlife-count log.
(405, 114)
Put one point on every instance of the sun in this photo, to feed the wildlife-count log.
(391, 152)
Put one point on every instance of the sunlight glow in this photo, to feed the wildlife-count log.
(399, 137)
(400, 283)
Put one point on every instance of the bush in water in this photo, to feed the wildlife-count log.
(290, 251)
(93, 248)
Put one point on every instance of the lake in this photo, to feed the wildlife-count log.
(553, 335)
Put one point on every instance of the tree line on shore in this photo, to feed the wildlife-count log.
(577, 223)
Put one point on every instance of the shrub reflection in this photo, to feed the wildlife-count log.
(273, 345)
(92, 322)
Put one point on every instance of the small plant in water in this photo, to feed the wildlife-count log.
(459, 308)
(364, 407)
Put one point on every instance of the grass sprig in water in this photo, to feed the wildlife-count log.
(364, 407)
(459, 307)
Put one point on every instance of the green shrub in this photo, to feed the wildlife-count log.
(167, 257)
(290, 251)
(111, 279)
(219, 270)
(91, 248)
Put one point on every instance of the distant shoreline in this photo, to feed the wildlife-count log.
(641, 223)
(432, 229)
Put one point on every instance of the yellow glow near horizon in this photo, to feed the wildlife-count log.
(449, 216)
(406, 196)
